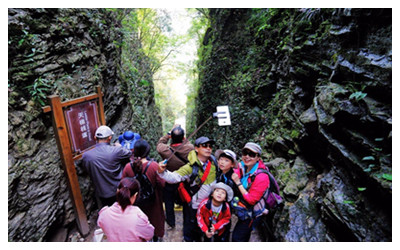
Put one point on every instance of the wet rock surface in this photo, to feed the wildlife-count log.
(314, 88)
(67, 52)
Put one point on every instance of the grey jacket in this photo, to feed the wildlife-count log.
(104, 164)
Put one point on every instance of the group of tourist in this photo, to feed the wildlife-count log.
(209, 188)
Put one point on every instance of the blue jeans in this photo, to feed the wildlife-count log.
(169, 200)
(243, 229)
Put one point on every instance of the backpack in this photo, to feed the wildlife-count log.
(195, 173)
(147, 191)
(269, 201)
(188, 189)
(271, 198)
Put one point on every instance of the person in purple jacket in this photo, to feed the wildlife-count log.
(251, 185)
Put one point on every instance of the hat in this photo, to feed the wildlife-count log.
(128, 139)
(202, 140)
(103, 132)
(229, 153)
(228, 190)
(253, 147)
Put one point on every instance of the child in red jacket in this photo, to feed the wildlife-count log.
(214, 213)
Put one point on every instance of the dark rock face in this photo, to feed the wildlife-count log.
(314, 88)
(66, 52)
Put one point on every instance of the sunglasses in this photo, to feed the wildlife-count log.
(206, 145)
(249, 153)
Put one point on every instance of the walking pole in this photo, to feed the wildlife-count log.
(209, 229)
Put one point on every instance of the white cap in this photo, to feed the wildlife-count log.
(103, 132)
(228, 190)
(226, 152)
(253, 147)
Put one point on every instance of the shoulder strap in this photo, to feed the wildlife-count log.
(195, 172)
(206, 172)
(259, 171)
(147, 166)
(145, 170)
(215, 161)
(132, 168)
(178, 155)
(217, 170)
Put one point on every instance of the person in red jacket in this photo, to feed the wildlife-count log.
(154, 210)
(214, 213)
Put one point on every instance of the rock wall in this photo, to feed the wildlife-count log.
(314, 88)
(66, 52)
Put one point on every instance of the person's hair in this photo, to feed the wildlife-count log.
(177, 135)
(105, 139)
(127, 188)
(137, 165)
(141, 149)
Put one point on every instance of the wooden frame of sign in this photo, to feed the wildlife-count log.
(74, 124)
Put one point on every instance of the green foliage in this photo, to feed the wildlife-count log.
(357, 96)
(387, 177)
(39, 90)
(370, 168)
(349, 202)
(368, 158)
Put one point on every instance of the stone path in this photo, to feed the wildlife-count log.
(174, 235)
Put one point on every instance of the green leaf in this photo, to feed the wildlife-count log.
(144, 83)
(348, 202)
(368, 158)
(387, 177)
(357, 95)
(362, 189)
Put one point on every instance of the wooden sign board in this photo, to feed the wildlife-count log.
(74, 123)
(82, 121)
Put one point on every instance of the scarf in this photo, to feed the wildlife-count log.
(247, 175)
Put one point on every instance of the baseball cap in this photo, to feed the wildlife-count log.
(103, 132)
(226, 152)
(228, 190)
(202, 140)
(253, 147)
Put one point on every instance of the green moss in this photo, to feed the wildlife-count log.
(295, 134)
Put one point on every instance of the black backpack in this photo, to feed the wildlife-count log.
(147, 191)
(193, 189)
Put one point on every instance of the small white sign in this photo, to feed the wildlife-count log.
(223, 115)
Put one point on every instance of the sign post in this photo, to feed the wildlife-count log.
(74, 124)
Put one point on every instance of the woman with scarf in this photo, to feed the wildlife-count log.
(252, 186)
